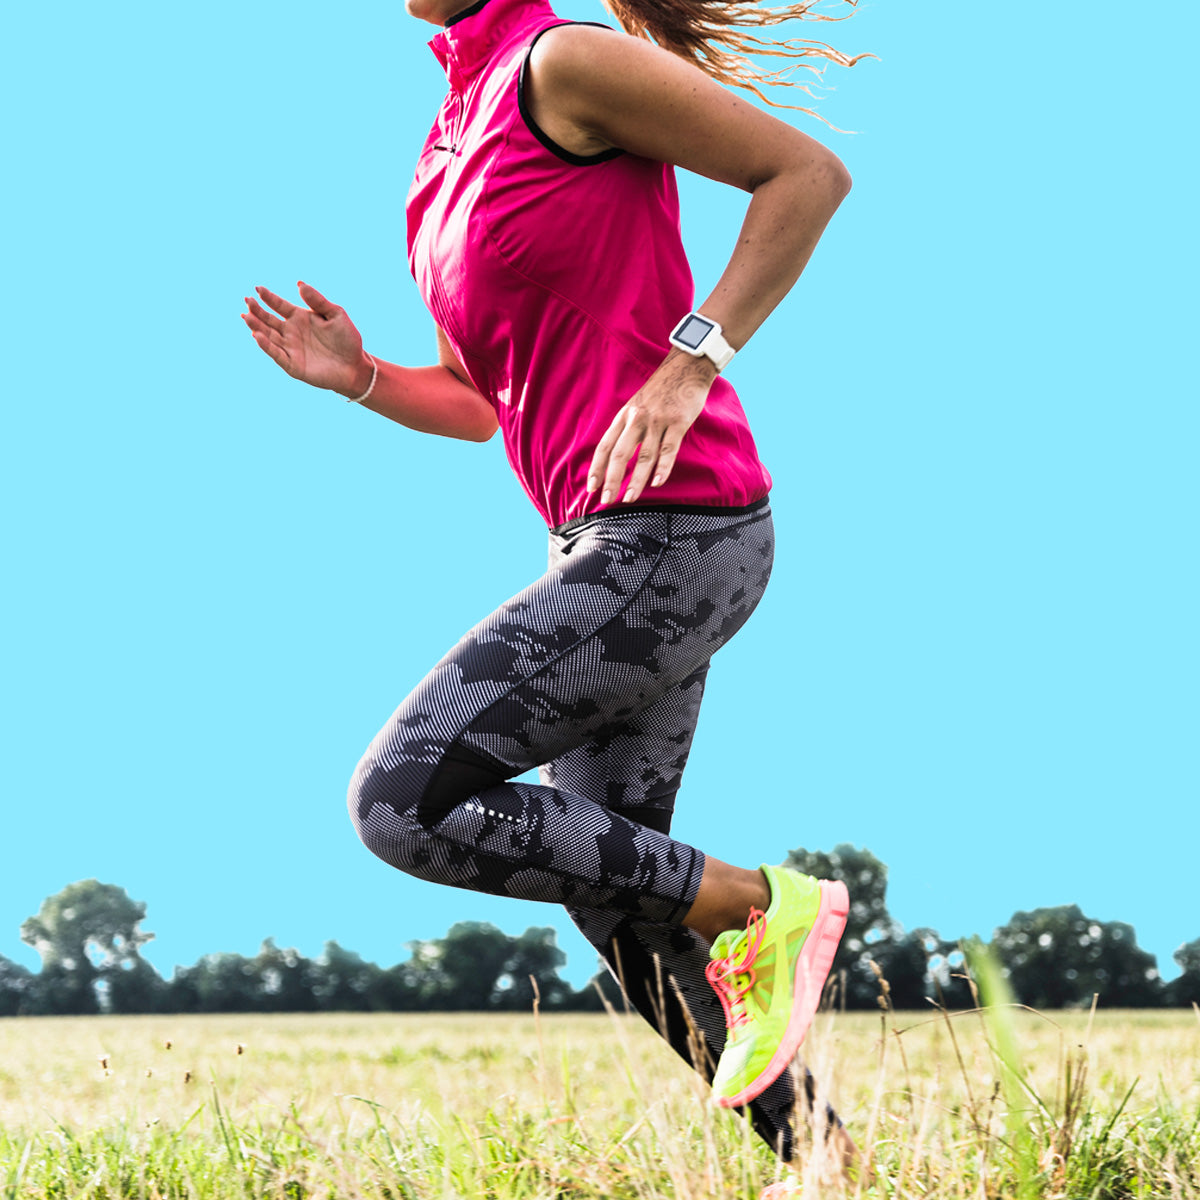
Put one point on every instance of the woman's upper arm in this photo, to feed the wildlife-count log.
(448, 359)
(630, 93)
(480, 418)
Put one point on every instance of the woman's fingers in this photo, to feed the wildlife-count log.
(316, 301)
(628, 428)
(283, 307)
(647, 456)
(599, 467)
(667, 452)
(655, 446)
(270, 348)
(631, 434)
(655, 460)
(256, 327)
(651, 426)
(286, 309)
(262, 318)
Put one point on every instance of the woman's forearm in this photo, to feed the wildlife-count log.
(428, 399)
(785, 220)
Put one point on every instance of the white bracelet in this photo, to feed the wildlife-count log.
(370, 389)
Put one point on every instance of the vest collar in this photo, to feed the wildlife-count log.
(471, 36)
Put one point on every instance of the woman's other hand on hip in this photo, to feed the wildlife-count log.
(317, 344)
(650, 428)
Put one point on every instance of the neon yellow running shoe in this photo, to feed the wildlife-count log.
(769, 977)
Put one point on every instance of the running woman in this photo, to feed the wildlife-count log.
(543, 233)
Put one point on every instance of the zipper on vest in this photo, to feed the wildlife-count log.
(455, 125)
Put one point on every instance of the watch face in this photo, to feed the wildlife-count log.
(692, 331)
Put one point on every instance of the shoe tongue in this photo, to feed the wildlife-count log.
(725, 943)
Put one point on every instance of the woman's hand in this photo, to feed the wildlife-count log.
(655, 419)
(317, 345)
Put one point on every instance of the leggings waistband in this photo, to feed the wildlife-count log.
(634, 510)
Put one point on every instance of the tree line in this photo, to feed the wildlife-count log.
(89, 937)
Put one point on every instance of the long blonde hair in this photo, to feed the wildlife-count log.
(710, 34)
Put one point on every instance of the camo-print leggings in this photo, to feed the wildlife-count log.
(594, 674)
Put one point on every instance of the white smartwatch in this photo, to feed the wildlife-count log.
(701, 335)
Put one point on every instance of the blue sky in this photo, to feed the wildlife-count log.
(978, 656)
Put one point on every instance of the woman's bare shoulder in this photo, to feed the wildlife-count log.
(604, 88)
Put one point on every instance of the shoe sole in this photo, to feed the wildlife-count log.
(812, 969)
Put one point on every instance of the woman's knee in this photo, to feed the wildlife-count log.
(394, 807)
(461, 774)
(380, 808)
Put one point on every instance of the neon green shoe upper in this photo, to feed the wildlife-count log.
(769, 984)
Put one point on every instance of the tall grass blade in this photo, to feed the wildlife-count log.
(997, 1014)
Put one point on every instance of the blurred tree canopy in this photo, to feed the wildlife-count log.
(87, 935)
(1186, 989)
(1058, 958)
(16, 986)
(89, 938)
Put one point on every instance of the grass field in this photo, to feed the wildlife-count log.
(415, 1106)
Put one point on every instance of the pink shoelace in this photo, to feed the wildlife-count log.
(723, 973)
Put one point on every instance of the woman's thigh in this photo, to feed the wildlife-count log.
(637, 769)
(631, 608)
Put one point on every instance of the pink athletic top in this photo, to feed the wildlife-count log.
(557, 278)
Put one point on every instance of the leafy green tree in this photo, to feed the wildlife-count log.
(948, 974)
(535, 957)
(85, 933)
(1059, 958)
(275, 980)
(284, 979)
(477, 967)
(216, 983)
(590, 998)
(342, 981)
(1186, 989)
(62, 990)
(180, 993)
(16, 988)
(903, 960)
(396, 989)
(134, 987)
(423, 978)
(473, 956)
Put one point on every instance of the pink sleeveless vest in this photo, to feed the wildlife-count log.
(557, 278)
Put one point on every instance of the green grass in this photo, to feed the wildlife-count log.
(414, 1107)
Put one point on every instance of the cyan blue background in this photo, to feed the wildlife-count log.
(978, 656)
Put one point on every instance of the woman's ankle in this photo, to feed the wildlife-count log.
(726, 897)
